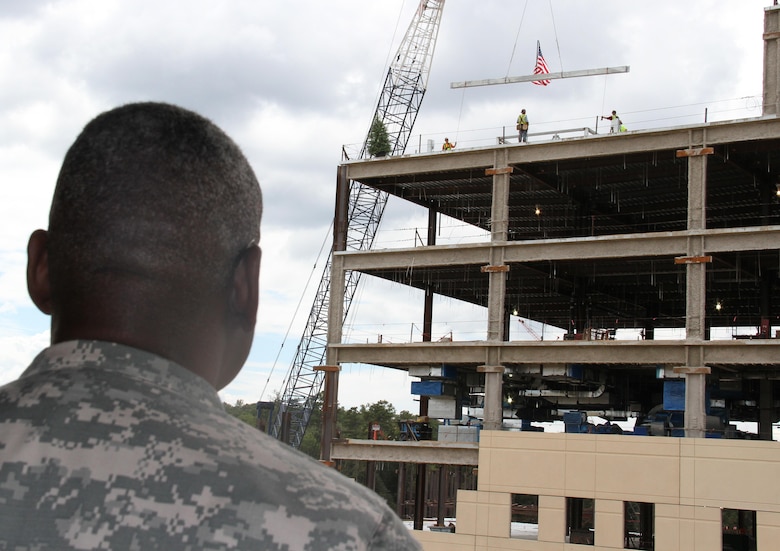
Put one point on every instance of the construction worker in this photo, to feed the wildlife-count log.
(522, 126)
(616, 123)
(447, 145)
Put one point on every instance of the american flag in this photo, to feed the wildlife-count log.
(541, 66)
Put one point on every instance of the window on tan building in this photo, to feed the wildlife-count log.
(739, 530)
(525, 517)
(639, 525)
(579, 520)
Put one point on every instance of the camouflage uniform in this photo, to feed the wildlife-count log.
(103, 446)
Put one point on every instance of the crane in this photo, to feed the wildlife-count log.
(530, 330)
(399, 102)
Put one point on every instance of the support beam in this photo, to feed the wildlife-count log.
(599, 247)
(669, 352)
(766, 409)
(496, 270)
(329, 410)
(696, 376)
(421, 451)
(771, 90)
(546, 76)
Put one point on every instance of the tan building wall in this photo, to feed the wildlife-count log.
(690, 480)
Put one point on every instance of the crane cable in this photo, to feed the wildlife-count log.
(325, 240)
(520, 27)
(460, 114)
(555, 31)
(517, 36)
(388, 57)
(297, 307)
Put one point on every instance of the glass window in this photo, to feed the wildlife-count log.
(525, 517)
(739, 530)
(639, 525)
(580, 526)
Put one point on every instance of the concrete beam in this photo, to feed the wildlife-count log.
(671, 352)
(423, 451)
(580, 248)
(637, 141)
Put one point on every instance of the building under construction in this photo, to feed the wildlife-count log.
(673, 231)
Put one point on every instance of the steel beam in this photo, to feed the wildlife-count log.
(546, 76)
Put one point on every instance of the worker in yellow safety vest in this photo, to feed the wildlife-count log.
(522, 126)
(616, 124)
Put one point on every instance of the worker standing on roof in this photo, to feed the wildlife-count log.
(522, 126)
(447, 145)
(614, 127)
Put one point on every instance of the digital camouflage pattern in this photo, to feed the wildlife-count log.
(103, 446)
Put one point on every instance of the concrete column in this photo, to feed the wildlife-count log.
(496, 272)
(772, 60)
(766, 409)
(695, 394)
(400, 490)
(335, 316)
(441, 501)
(329, 408)
(499, 225)
(695, 371)
(419, 496)
(428, 306)
(496, 295)
(696, 265)
(421, 479)
(494, 376)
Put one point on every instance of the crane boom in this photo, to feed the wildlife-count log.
(399, 102)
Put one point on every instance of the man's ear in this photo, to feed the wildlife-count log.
(38, 284)
(245, 295)
(241, 316)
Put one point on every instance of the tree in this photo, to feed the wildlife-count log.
(310, 443)
(356, 423)
(378, 140)
(246, 412)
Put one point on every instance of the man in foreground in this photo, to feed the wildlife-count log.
(115, 437)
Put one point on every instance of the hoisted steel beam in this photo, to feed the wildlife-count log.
(543, 76)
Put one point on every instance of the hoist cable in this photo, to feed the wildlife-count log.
(517, 36)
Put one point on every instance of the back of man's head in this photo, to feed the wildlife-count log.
(153, 207)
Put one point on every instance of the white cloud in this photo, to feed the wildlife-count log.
(16, 353)
(293, 82)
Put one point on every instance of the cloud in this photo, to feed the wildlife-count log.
(294, 82)
(16, 353)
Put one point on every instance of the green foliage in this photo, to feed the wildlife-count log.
(357, 423)
(246, 412)
(310, 444)
(378, 139)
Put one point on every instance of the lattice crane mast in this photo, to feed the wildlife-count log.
(530, 330)
(404, 87)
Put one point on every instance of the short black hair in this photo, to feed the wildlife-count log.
(155, 191)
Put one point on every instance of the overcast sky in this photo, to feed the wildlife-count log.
(293, 82)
